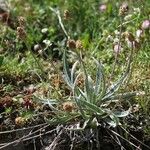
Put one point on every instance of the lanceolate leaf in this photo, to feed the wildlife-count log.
(85, 74)
(82, 94)
(100, 87)
(117, 85)
(90, 92)
(121, 96)
(77, 100)
(67, 73)
(122, 113)
(93, 108)
(73, 71)
(113, 88)
(111, 122)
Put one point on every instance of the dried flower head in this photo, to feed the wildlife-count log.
(129, 36)
(4, 17)
(123, 9)
(7, 19)
(21, 34)
(79, 44)
(7, 101)
(21, 21)
(27, 101)
(66, 14)
(68, 106)
(71, 44)
(56, 81)
(146, 24)
(20, 121)
(28, 104)
(135, 45)
(80, 81)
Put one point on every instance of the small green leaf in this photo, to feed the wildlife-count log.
(121, 113)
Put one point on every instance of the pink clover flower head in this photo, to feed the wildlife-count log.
(102, 7)
(117, 48)
(145, 24)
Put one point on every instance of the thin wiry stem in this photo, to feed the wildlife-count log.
(55, 141)
(119, 45)
(129, 65)
(57, 12)
(22, 129)
(116, 139)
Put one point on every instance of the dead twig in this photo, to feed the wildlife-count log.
(54, 143)
(20, 139)
(33, 137)
(22, 129)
